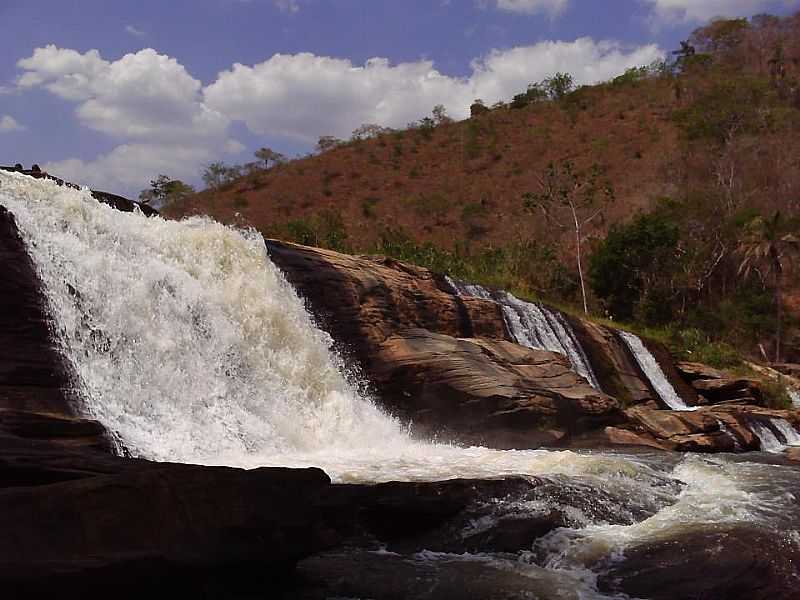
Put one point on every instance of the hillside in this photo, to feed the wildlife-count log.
(706, 144)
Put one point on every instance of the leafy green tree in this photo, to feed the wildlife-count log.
(368, 131)
(763, 249)
(573, 201)
(164, 190)
(559, 85)
(440, 116)
(630, 266)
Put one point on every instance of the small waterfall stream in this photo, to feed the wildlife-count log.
(776, 436)
(536, 326)
(652, 370)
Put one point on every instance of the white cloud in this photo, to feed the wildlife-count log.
(9, 124)
(145, 95)
(290, 6)
(146, 100)
(530, 7)
(134, 31)
(699, 11)
(304, 96)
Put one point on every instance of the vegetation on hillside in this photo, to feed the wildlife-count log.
(700, 154)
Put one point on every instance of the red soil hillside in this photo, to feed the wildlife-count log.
(465, 180)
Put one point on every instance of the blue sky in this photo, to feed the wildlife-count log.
(110, 92)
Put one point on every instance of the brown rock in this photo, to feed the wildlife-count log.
(495, 392)
(734, 562)
(693, 371)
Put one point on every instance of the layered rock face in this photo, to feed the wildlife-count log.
(443, 361)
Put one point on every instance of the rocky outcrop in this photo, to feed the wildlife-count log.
(716, 387)
(442, 361)
(448, 363)
(490, 392)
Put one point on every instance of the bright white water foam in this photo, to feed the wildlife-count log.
(536, 326)
(652, 370)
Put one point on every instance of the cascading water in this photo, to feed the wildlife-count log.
(652, 370)
(776, 436)
(536, 326)
(189, 344)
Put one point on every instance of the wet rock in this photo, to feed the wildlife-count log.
(736, 562)
(493, 392)
(104, 532)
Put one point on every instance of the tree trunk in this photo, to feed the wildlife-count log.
(580, 266)
(779, 311)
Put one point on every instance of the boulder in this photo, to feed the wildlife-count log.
(734, 562)
(487, 391)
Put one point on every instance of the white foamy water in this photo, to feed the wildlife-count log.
(770, 442)
(652, 370)
(794, 394)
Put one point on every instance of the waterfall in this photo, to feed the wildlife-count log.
(536, 326)
(770, 442)
(653, 372)
(186, 340)
(189, 345)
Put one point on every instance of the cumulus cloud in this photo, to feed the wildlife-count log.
(696, 11)
(145, 95)
(303, 95)
(9, 124)
(529, 7)
(146, 100)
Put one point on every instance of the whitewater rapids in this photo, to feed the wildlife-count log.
(190, 346)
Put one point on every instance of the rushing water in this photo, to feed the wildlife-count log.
(189, 344)
(653, 372)
(775, 436)
(536, 326)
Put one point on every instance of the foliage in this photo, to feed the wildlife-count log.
(217, 175)
(368, 131)
(629, 267)
(328, 142)
(270, 157)
(325, 230)
(164, 190)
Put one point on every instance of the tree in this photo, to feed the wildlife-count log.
(439, 113)
(270, 157)
(218, 174)
(633, 265)
(765, 245)
(369, 130)
(558, 85)
(164, 190)
(328, 142)
(582, 195)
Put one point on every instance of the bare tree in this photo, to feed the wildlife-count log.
(573, 201)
